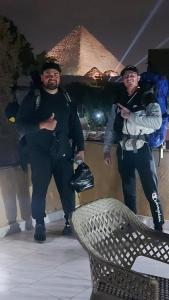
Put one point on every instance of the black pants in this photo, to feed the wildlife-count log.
(143, 162)
(43, 167)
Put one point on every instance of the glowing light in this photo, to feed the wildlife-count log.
(99, 115)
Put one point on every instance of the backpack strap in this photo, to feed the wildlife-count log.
(67, 96)
(38, 98)
(161, 152)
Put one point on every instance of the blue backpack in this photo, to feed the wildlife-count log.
(161, 86)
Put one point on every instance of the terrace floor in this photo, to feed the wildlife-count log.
(55, 270)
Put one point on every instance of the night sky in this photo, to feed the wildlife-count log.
(115, 23)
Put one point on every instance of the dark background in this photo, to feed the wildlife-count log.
(114, 23)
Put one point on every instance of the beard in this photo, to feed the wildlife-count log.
(51, 85)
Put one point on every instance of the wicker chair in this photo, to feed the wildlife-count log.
(114, 237)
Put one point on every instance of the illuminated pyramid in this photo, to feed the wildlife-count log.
(80, 51)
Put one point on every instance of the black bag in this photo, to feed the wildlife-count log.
(82, 179)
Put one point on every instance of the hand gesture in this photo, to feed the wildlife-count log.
(49, 124)
(125, 112)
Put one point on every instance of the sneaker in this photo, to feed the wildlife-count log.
(40, 233)
(13, 228)
(67, 230)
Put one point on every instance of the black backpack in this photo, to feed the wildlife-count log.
(11, 112)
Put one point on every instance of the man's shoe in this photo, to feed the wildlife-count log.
(67, 230)
(40, 233)
(13, 228)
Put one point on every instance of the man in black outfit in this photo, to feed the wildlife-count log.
(51, 124)
(134, 115)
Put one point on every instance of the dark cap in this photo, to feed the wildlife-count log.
(51, 65)
(129, 68)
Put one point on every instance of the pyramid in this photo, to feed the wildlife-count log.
(94, 73)
(80, 51)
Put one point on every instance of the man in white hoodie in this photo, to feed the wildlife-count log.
(134, 115)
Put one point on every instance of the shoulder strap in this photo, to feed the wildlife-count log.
(38, 98)
(67, 96)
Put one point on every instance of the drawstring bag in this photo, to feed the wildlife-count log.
(82, 179)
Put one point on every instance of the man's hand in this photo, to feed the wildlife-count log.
(49, 124)
(125, 112)
(79, 156)
(107, 158)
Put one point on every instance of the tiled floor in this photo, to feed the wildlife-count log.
(55, 270)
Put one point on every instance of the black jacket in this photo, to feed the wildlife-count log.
(68, 126)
